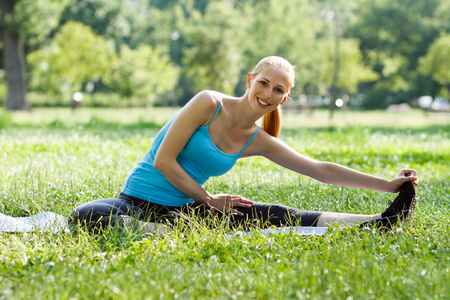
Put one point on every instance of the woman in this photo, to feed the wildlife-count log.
(206, 137)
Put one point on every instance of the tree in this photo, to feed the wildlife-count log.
(283, 28)
(14, 59)
(352, 71)
(212, 61)
(436, 62)
(393, 35)
(127, 22)
(144, 73)
(103, 16)
(75, 56)
(29, 23)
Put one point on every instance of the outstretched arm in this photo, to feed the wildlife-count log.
(196, 113)
(327, 172)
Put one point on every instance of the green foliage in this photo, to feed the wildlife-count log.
(352, 71)
(376, 98)
(103, 16)
(393, 36)
(144, 73)
(214, 44)
(5, 118)
(437, 61)
(99, 99)
(286, 29)
(212, 60)
(35, 20)
(75, 56)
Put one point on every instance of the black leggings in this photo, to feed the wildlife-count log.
(107, 212)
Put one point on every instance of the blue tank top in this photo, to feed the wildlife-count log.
(200, 158)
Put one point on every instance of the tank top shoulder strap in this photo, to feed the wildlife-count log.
(251, 140)
(217, 111)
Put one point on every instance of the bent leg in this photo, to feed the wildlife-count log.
(101, 213)
(125, 210)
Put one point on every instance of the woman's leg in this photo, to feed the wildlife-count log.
(101, 213)
(279, 215)
(264, 215)
(106, 211)
(343, 219)
(401, 208)
(125, 210)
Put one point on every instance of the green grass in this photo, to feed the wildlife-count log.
(53, 160)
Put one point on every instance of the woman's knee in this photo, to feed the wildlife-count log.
(91, 213)
(81, 215)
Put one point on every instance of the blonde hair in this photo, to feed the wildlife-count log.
(271, 122)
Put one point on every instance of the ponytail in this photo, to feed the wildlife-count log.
(271, 122)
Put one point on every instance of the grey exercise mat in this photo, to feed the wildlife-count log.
(45, 221)
(49, 221)
(294, 230)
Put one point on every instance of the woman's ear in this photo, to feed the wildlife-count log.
(249, 80)
(285, 98)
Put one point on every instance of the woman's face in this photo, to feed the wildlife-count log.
(268, 89)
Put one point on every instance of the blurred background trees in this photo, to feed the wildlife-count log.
(24, 26)
(75, 56)
(161, 52)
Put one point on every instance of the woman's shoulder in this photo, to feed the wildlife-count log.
(208, 97)
(201, 106)
(215, 97)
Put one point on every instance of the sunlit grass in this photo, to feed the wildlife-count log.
(53, 163)
(69, 117)
(319, 118)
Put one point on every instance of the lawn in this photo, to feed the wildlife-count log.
(54, 160)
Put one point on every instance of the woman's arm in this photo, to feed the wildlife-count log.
(195, 113)
(327, 172)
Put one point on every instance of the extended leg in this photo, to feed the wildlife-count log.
(280, 215)
(344, 219)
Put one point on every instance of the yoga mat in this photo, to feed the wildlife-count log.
(294, 230)
(45, 221)
(49, 221)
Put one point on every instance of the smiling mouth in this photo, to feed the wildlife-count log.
(262, 102)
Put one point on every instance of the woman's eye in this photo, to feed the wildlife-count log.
(263, 83)
(279, 91)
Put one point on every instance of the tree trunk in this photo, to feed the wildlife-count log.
(14, 60)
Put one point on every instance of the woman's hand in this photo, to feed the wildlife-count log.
(405, 175)
(227, 203)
